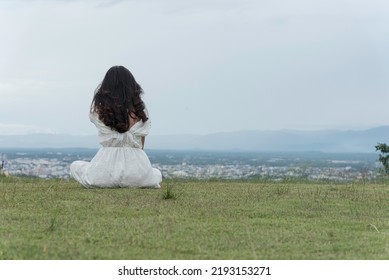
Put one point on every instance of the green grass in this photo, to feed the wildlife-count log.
(58, 219)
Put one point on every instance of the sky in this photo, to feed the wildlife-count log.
(206, 66)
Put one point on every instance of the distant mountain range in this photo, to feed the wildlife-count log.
(347, 141)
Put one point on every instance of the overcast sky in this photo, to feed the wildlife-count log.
(205, 65)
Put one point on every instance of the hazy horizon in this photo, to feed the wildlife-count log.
(31, 130)
(281, 140)
(205, 66)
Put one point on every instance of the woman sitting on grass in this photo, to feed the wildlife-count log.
(119, 114)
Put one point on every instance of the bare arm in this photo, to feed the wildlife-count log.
(143, 141)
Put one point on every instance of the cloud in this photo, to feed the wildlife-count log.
(259, 59)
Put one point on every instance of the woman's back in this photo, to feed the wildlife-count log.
(122, 128)
(130, 138)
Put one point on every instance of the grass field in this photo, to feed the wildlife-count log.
(194, 219)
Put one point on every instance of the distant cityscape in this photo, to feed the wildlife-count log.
(54, 163)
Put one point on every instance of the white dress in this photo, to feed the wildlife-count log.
(120, 162)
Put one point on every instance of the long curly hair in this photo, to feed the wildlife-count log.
(118, 98)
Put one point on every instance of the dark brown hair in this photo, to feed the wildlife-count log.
(117, 98)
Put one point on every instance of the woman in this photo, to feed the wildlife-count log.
(120, 116)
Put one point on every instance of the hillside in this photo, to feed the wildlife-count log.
(194, 219)
(283, 140)
(334, 141)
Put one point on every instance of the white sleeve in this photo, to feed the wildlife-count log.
(142, 130)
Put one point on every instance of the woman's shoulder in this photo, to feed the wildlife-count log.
(93, 114)
(93, 117)
(134, 119)
(141, 128)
